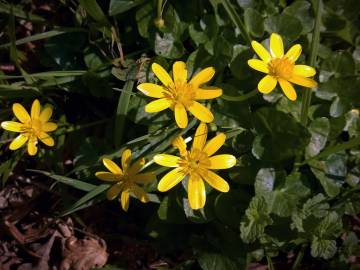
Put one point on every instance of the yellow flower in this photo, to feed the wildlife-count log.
(197, 165)
(32, 127)
(281, 68)
(179, 94)
(126, 179)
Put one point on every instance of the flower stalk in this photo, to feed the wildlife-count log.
(306, 98)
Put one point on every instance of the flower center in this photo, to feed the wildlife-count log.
(182, 92)
(193, 160)
(281, 67)
(33, 127)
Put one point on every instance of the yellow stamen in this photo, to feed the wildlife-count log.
(281, 67)
(181, 92)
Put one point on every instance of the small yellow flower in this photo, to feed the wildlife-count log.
(281, 68)
(197, 165)
(32, 127)
(179, 94)
(127, 179)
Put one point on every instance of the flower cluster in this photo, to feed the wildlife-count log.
(180, 94)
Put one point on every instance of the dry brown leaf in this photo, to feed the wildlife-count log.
(83, 254)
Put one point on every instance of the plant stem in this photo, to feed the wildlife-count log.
(269, 262)
(159, 9)
(237, 21)
(298, 259)
(242, 97)
(306, 98)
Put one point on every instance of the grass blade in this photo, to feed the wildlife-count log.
(67, 180)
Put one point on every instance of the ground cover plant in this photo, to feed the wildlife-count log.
(209, 134)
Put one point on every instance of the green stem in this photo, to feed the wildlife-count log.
(269, 262)
(334, 149)
(159, 8)
(306, 98)
(234, 16)
(299, 258)
(240, 98)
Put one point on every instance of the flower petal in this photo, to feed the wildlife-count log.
(144, 178)
(125, 200)
(258, 65)
(21, 113)
(111, 166)
(49, 126)
(179, 72)
(35, 109)
(215, 181)
(200, 137)
(294, 52)
(267, 84)
(220, 162)
(288, 89)
(151, 90)
(12, 126)
(261, 51)
(202, 77)
(304, 70)
(208, 93)
(166, 160)
(136, 166)
(276, 45)
(162, 74)
(171, 179)
(19, 141)
(32, 146)
(201, 112)
(106, 176)
(158, 105)
(139, 193)
(306, 82)
(214, 144)
(46, 114)
(46, 139)
(181, 116)
(113, 191)
(180, 144)
(196, 192)
(125, 159)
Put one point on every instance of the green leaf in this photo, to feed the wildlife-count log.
(323, 244)
(331, 186)
(302, 11)
(19, 12)
(44, 35)
(95, 11)
(289, 27)
(144, 18)
(254, 22)
(67, 180)
(256, 220)
(329, 227)
(170, 210)
(167, 46)
(335, 166)
(323, 248)
(120, 6)
(122, 111)
(277, 130)
(313, 209)
(319, 129)
(264, 181)
(216, 261)
(87, 197)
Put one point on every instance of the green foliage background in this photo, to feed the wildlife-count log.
(296, 185)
